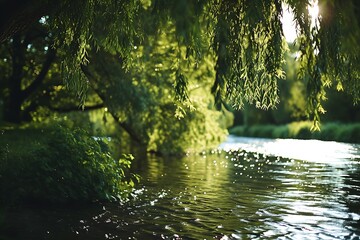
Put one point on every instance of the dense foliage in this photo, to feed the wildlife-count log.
(292, 105)
(142, 98)
(138, 98)
(57, 165)
(149, 66)
(245, 36)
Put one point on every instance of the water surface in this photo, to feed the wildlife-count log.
(287, 189)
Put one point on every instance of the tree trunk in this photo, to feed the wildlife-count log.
(138, 139)
(12, 108)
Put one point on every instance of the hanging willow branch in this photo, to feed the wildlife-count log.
(245, 37)
(248, 42)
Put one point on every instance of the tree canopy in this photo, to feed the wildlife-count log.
(245, 37)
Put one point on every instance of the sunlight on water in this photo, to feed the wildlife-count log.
(308, 150)
(248, 192)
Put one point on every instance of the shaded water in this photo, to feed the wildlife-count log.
(229, 194)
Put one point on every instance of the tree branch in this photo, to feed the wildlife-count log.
(41, 76)
(124, 125)
(76, 108)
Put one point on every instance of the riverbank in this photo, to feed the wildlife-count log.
(53, 164)
(340, 132)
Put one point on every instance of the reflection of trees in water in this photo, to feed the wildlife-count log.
(352, 198)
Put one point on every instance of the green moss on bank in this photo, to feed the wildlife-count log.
(55, 164)
(301, 130)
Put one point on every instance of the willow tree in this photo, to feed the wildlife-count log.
(246, 38)
(141, 99)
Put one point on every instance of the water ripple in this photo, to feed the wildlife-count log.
(227, 195)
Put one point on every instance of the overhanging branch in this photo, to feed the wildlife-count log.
(76, 108)
(124, 125)
(41, 76)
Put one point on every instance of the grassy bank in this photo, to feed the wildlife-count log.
(301, 130)
(56, 164)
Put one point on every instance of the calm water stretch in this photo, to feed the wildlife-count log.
(287, 189)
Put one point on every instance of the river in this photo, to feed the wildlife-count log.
(247, 189)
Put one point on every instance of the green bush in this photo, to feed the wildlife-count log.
(58, 165)
(301, 130)
(355, 136)
(330, 131)
(281, 132)
(349, 133)
(238, 131)
(267, 131)
(304, 132)
(256, 131)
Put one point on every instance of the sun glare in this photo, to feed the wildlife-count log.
(288, 23)
(314, 12)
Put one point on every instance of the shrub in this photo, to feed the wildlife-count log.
(58, 165)
(330, 132)
(267, 131)
(298, 127)
(254, 131)
(281, 132)
(238, 130)
(304, 133)
(355, 136)
(301, 130)
(349, 133)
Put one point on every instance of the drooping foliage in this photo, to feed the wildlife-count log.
(292, 105)
(248, 43)
(138, 95)
(142, 101)
(329, 50)
(246, 38)
(100, 25)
